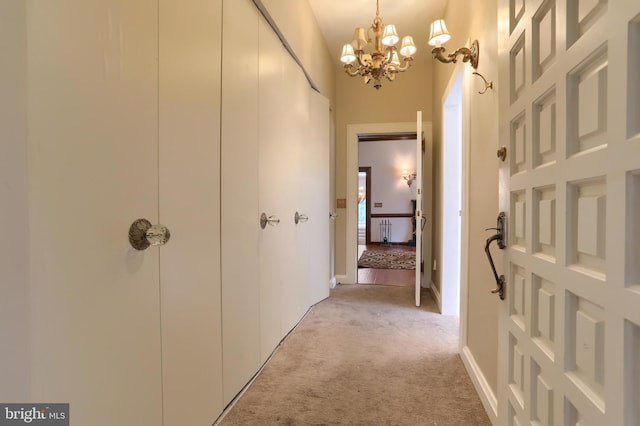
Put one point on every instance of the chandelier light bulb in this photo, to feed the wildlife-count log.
(348, 55)
(407, 48)
(390, 35)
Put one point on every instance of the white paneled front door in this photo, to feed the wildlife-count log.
(569, 114)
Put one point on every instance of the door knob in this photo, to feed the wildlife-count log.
(271, 220)
(142, 234)
(300, 218)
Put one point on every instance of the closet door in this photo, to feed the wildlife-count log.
(315, 245)
(273, 186)
(295, 191)
(240, 215)
(189, 157)
(94, 313)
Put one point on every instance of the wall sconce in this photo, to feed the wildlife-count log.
(409, 177)
(440, 35)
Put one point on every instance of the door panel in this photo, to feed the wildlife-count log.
(272, 159)
(294, 109)
(239, 191)
(568, 327)
(316, 157)
(93, 149)
(189, 61)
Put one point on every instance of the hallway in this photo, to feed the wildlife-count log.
(365, 356)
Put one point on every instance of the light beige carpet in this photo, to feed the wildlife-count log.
(365, 356)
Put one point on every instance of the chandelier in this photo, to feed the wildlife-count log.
(381, 58)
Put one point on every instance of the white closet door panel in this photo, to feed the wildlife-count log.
(271, 188)
(316, 142)
(190, 61)
(294, 106)
(240, 214)
(92, 141)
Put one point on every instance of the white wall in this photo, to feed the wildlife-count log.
(387, 160)
(466, 21)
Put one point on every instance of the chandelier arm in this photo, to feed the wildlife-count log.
(407, 64)
(361, 62)
(351, 70)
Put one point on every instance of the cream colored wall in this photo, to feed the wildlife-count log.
(14, 264)
(357, 103)
(468, 20)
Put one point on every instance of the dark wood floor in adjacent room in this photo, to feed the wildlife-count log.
(393, 277)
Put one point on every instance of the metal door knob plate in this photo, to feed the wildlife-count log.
(143, 234)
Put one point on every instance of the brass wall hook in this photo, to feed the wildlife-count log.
(487, 84)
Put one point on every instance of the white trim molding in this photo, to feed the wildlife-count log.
(486, 394)
(353, 130)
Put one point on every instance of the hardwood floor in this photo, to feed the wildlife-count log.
(391, 277)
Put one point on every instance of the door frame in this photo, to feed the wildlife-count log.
(351, 240)
(456, 82)
(367, 189)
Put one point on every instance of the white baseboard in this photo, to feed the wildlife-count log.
(342, 279)
(333, 282)
(487, 396)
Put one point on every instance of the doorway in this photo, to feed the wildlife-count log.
(451, 198)
(354, 132)
(386, 182)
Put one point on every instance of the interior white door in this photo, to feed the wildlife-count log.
(190, 204)
(291, 149)
(316, 194)
(418, 213)
(239, 193)
(271, 201)
(569, 112)
(94, 313)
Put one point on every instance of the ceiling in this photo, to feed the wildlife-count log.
(338, 18)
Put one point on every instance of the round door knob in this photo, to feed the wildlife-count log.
(271, 220)
(300, 218)
(142, 234)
